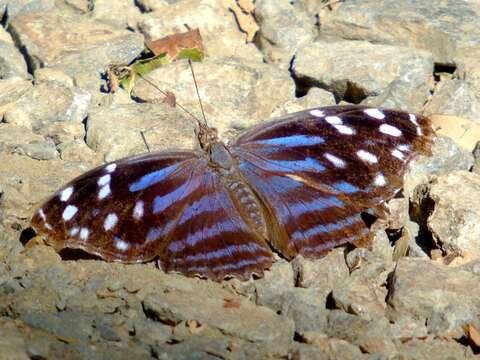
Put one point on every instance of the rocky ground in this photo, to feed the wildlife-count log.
(57, 122)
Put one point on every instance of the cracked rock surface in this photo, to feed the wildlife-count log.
(56, 123)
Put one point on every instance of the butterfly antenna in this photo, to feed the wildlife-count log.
(145, 140)
(151, 83)
(196, 89)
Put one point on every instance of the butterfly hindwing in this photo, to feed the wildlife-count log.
(318, 170)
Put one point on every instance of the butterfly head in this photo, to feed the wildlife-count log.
(206, 136)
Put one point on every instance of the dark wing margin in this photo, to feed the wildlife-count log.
(169, 206)
(316, 171)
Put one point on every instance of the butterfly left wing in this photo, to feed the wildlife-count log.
(316, 171)
(168, 205)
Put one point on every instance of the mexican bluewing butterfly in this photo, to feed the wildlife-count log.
(298, 184)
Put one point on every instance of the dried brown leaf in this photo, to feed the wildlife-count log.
(172, 45)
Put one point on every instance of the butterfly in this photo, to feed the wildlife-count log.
(297, 185)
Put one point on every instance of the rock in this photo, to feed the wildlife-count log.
(476, 156)
(276, 42)
(372, 336)
(46, 103)
(454, 211)
(92, 45)
(363, 292)
(455, 97)
(52, 74)
(212, 17)
(116, 132)
(444, 298)
(446, 157)
(12, 63)
(12, 341)
(353, 76)
(246, 97)
(316, 97)
(120, 14)
(323, 273)
(444, 28)
(276, 282)
(248, 322)
(11, 90)
(20, 140)
(434, 349)
(324, 347)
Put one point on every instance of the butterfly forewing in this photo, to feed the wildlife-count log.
(318, 170)
(166, 205)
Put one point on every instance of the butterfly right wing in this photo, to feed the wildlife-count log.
(317, 170)
(168, 205)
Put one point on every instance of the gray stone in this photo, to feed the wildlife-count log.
(52, 74)
(363, 292)
(120, 13)
(444, 298)
(353, 76)
(446, 157)
(455, 97)
(11, 90)
(12, 63)
(234, 92)
(92, 45)
(323, 273)
(115, 132)
(284, 27)
(454, 211)
(12, 341)
(249, 322)
(443, 28)
(46, 103)
(434, 349)
(277, 282)
(212, 17)
(323, 347)
(20, 140)
(21, 7)
(316, 97)
(372, 336)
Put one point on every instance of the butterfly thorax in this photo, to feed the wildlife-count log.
(244, 199)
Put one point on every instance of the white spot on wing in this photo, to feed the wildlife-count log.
(84, 233)
(317, 113)
(333, 120)
(48, 226)
(343, 129)
(138, 210)
(120, 244)
(69, 212)
(74, 231)
(66, 193)
(335, 160)
(104, 192)
(390, 130)
(42, 214)
(403, 147)
(375, 113)
(367, 156)
(104, 180)
(110, 167)
(379, 180)
(110, 221)
(398, 154)
(414, 121)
